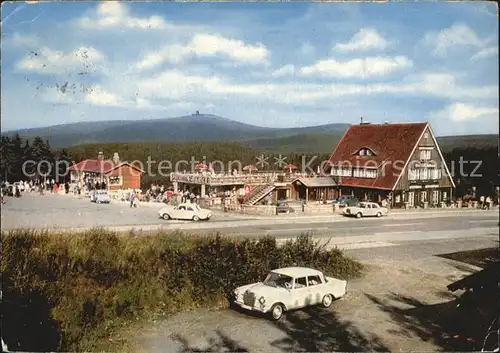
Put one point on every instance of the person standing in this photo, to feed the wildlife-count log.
(132, 198)
(488, 203)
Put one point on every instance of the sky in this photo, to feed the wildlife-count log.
(269, 64)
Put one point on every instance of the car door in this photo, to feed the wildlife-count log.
(178, 212)
(190, 212)
(376, 209)
(301, 294)
(316, 288)
(368, 210)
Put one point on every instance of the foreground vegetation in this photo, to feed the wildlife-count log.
(70, 292)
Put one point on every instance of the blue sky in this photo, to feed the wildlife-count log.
(268, 64)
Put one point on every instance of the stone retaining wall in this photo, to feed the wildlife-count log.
(264, 210)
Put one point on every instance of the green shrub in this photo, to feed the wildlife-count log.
(83, 286)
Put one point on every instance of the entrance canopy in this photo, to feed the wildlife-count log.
(317, 182)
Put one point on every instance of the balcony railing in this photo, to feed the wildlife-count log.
(241, 179)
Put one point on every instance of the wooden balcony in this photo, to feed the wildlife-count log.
(241, 179)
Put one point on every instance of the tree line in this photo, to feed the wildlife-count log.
(22, 159)
(479, 167)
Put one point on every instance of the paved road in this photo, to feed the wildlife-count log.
(61, 211)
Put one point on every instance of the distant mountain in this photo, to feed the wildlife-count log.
(204, 127)
(197, 127)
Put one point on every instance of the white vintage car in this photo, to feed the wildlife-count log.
(366, 209)
(185, 211)
(290, 288)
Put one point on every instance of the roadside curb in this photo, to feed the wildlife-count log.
(410, 214)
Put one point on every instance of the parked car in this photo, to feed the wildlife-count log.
(346, 200)
(100, 196)
(289, 206)
(288, 289)
(185, 211)
(366, 209)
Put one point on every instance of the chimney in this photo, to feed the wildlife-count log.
(116, 158)
(100, 156)
(361, 123)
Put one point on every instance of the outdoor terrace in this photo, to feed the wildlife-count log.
(240, 179)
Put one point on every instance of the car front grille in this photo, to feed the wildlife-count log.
(249, 298)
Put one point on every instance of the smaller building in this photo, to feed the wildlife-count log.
(112, 174)
(321, 188)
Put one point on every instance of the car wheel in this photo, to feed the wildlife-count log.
(165, 216)
(196, 218)
(379, 214)
(359, 215)
(327, 300)
(277, 311)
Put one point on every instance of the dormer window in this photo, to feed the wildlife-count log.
(365, 152)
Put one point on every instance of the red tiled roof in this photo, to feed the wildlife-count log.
(116, 170)
(97, 166)
(93, 166)
(392, 144)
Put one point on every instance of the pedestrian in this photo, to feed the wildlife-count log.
(132, 199)
(488, 203)
(481, 202)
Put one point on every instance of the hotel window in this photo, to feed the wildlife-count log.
(435, 173)
(411, 198)
(424, 174)
(423, 196)
(412, 174)
(341, 171)
(425, 155)
(445, 195)
(364, 173)
(435, 196)
(365, 152)
(115, 180)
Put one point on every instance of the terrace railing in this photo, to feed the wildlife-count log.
(240, 179)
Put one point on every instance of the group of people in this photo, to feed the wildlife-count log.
(485, 203)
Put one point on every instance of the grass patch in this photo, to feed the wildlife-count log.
(72, 292)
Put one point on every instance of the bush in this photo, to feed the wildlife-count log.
(74, 289)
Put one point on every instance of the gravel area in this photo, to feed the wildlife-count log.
(375, 315)
(65, 211)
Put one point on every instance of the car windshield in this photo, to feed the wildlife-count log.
(277, 280)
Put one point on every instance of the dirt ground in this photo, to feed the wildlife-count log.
(395, 307)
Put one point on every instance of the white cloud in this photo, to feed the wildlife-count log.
(459, 112)
(287, 70)
(365, 39)
(458, 35)
(113, 14)
(371, 66)
(175, 85)
(203, 45)
(48, 61)
(485, 53)
(465, 119)
(100, 97)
